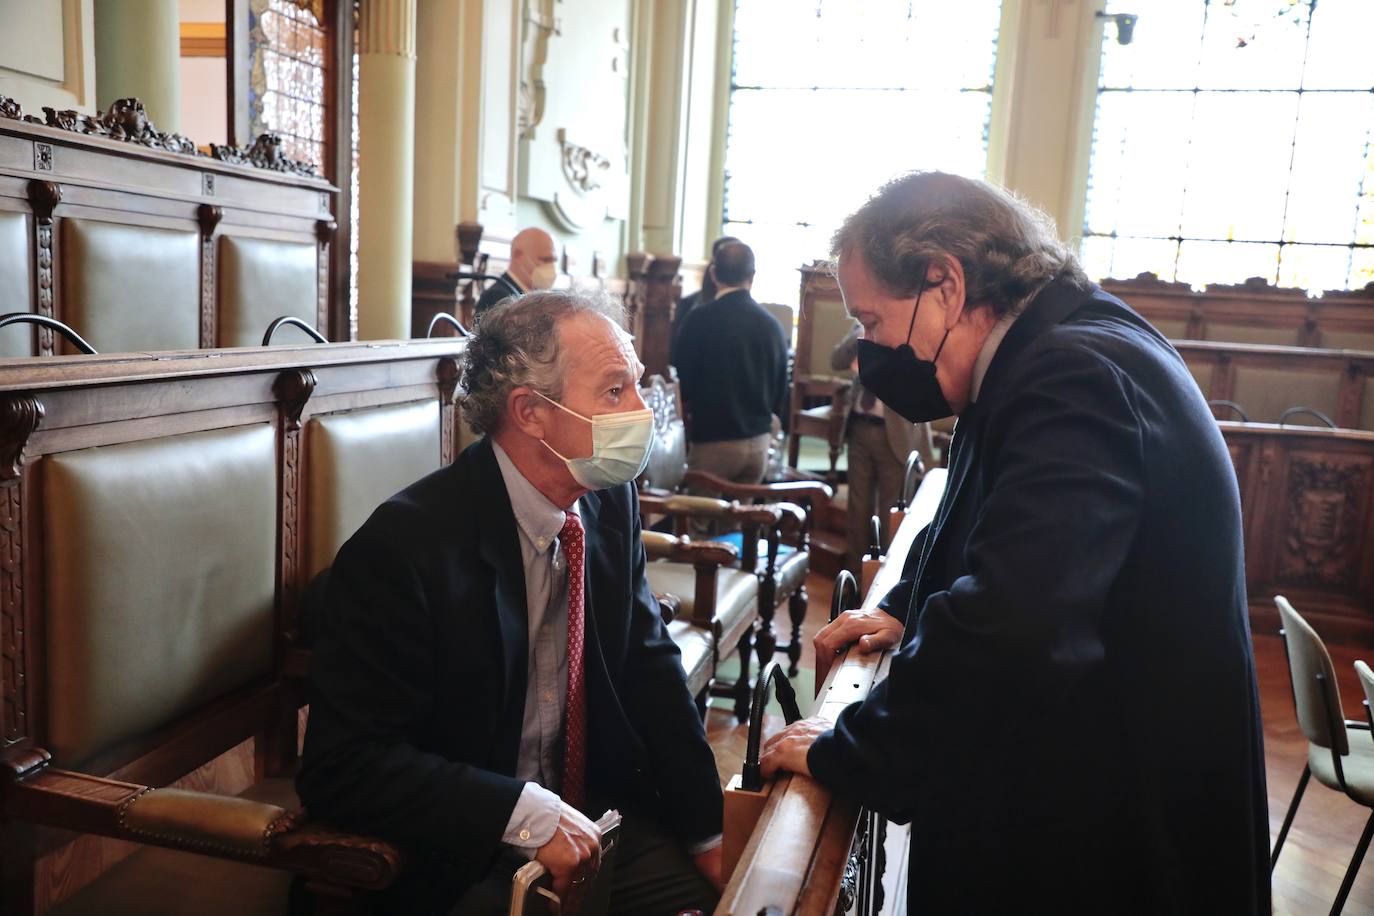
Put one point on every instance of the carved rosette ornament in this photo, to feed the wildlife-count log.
(265, 153)
(1326, 501)
(293, 390)
(19, 417)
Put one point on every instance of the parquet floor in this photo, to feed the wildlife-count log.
(1328, 824)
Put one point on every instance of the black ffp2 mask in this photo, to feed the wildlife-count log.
(901, 380)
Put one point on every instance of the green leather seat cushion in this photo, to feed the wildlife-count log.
(737, 593)
(695, 645)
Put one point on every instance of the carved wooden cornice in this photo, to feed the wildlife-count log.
(127, 121)
(265, 153)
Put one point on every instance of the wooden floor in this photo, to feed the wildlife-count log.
(1327, 826)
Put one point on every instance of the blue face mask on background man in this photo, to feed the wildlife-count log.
(621, 443)
(903, 381)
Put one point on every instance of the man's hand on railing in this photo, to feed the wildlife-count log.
(572, 856)
(787, 749)
(875, 631)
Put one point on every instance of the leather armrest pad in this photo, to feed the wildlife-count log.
(660, 546)
(202, 821)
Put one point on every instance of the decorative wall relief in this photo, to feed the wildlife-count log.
(574, 153)
(538, 24)
(1326, 503)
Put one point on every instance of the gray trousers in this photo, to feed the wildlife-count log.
(653, 875)
(737, 460)
(875, 481)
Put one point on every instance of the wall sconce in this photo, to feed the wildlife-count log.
(1125, 25)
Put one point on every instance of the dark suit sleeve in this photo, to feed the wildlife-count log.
(1064, 502)
(683, 768)
(372, 692)
(898, 599)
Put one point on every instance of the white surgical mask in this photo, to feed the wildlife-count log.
(621, 443)
(542, 276)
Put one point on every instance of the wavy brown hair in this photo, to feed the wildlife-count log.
(1007, 248)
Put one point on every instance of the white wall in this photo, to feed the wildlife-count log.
(47, 54)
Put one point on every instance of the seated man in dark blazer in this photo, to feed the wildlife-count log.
(533, 266)
(490, 671)
(1070, 722)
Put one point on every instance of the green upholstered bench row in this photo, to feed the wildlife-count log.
(159, 521)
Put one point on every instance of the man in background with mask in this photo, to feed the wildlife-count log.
(1070, 721)
(491, 672)
(533, 266)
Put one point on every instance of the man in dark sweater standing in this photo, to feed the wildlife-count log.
(732, 361)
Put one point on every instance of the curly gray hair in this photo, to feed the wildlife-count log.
(516, 345)
(1007, 248)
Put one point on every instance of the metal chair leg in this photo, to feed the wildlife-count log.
(1354, 866)
(1288, 818)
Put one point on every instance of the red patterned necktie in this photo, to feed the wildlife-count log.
(575, 717)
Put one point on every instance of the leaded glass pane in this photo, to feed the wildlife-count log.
(287, 86)
(1237, 133)
(831, 99)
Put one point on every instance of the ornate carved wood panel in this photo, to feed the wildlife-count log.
(19, 417)
(324, 234)
(1326, 506)
(293, 389)
(661, 291)
(448, 373)
(208, 215)
(44, 196)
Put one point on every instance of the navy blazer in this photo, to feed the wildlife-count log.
(502, 288)
(1072, 724)
(417, 684)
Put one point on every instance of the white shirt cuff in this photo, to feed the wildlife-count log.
(534, 818)
(697, 849)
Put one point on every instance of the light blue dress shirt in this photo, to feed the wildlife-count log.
(540, 760)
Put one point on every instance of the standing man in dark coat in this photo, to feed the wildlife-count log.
(491, 671)
(732, 360)
(1070, 722)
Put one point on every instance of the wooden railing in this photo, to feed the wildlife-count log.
(812, 851)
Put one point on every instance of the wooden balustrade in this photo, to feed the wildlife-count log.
(810, 849)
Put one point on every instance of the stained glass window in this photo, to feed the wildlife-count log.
(286, 95)
(831, 98)
(1232, 140)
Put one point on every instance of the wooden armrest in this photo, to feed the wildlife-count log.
(660, 546)
(810, 492)
(200, 822)
(696, 506)
(668, 606)
(812, 386)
